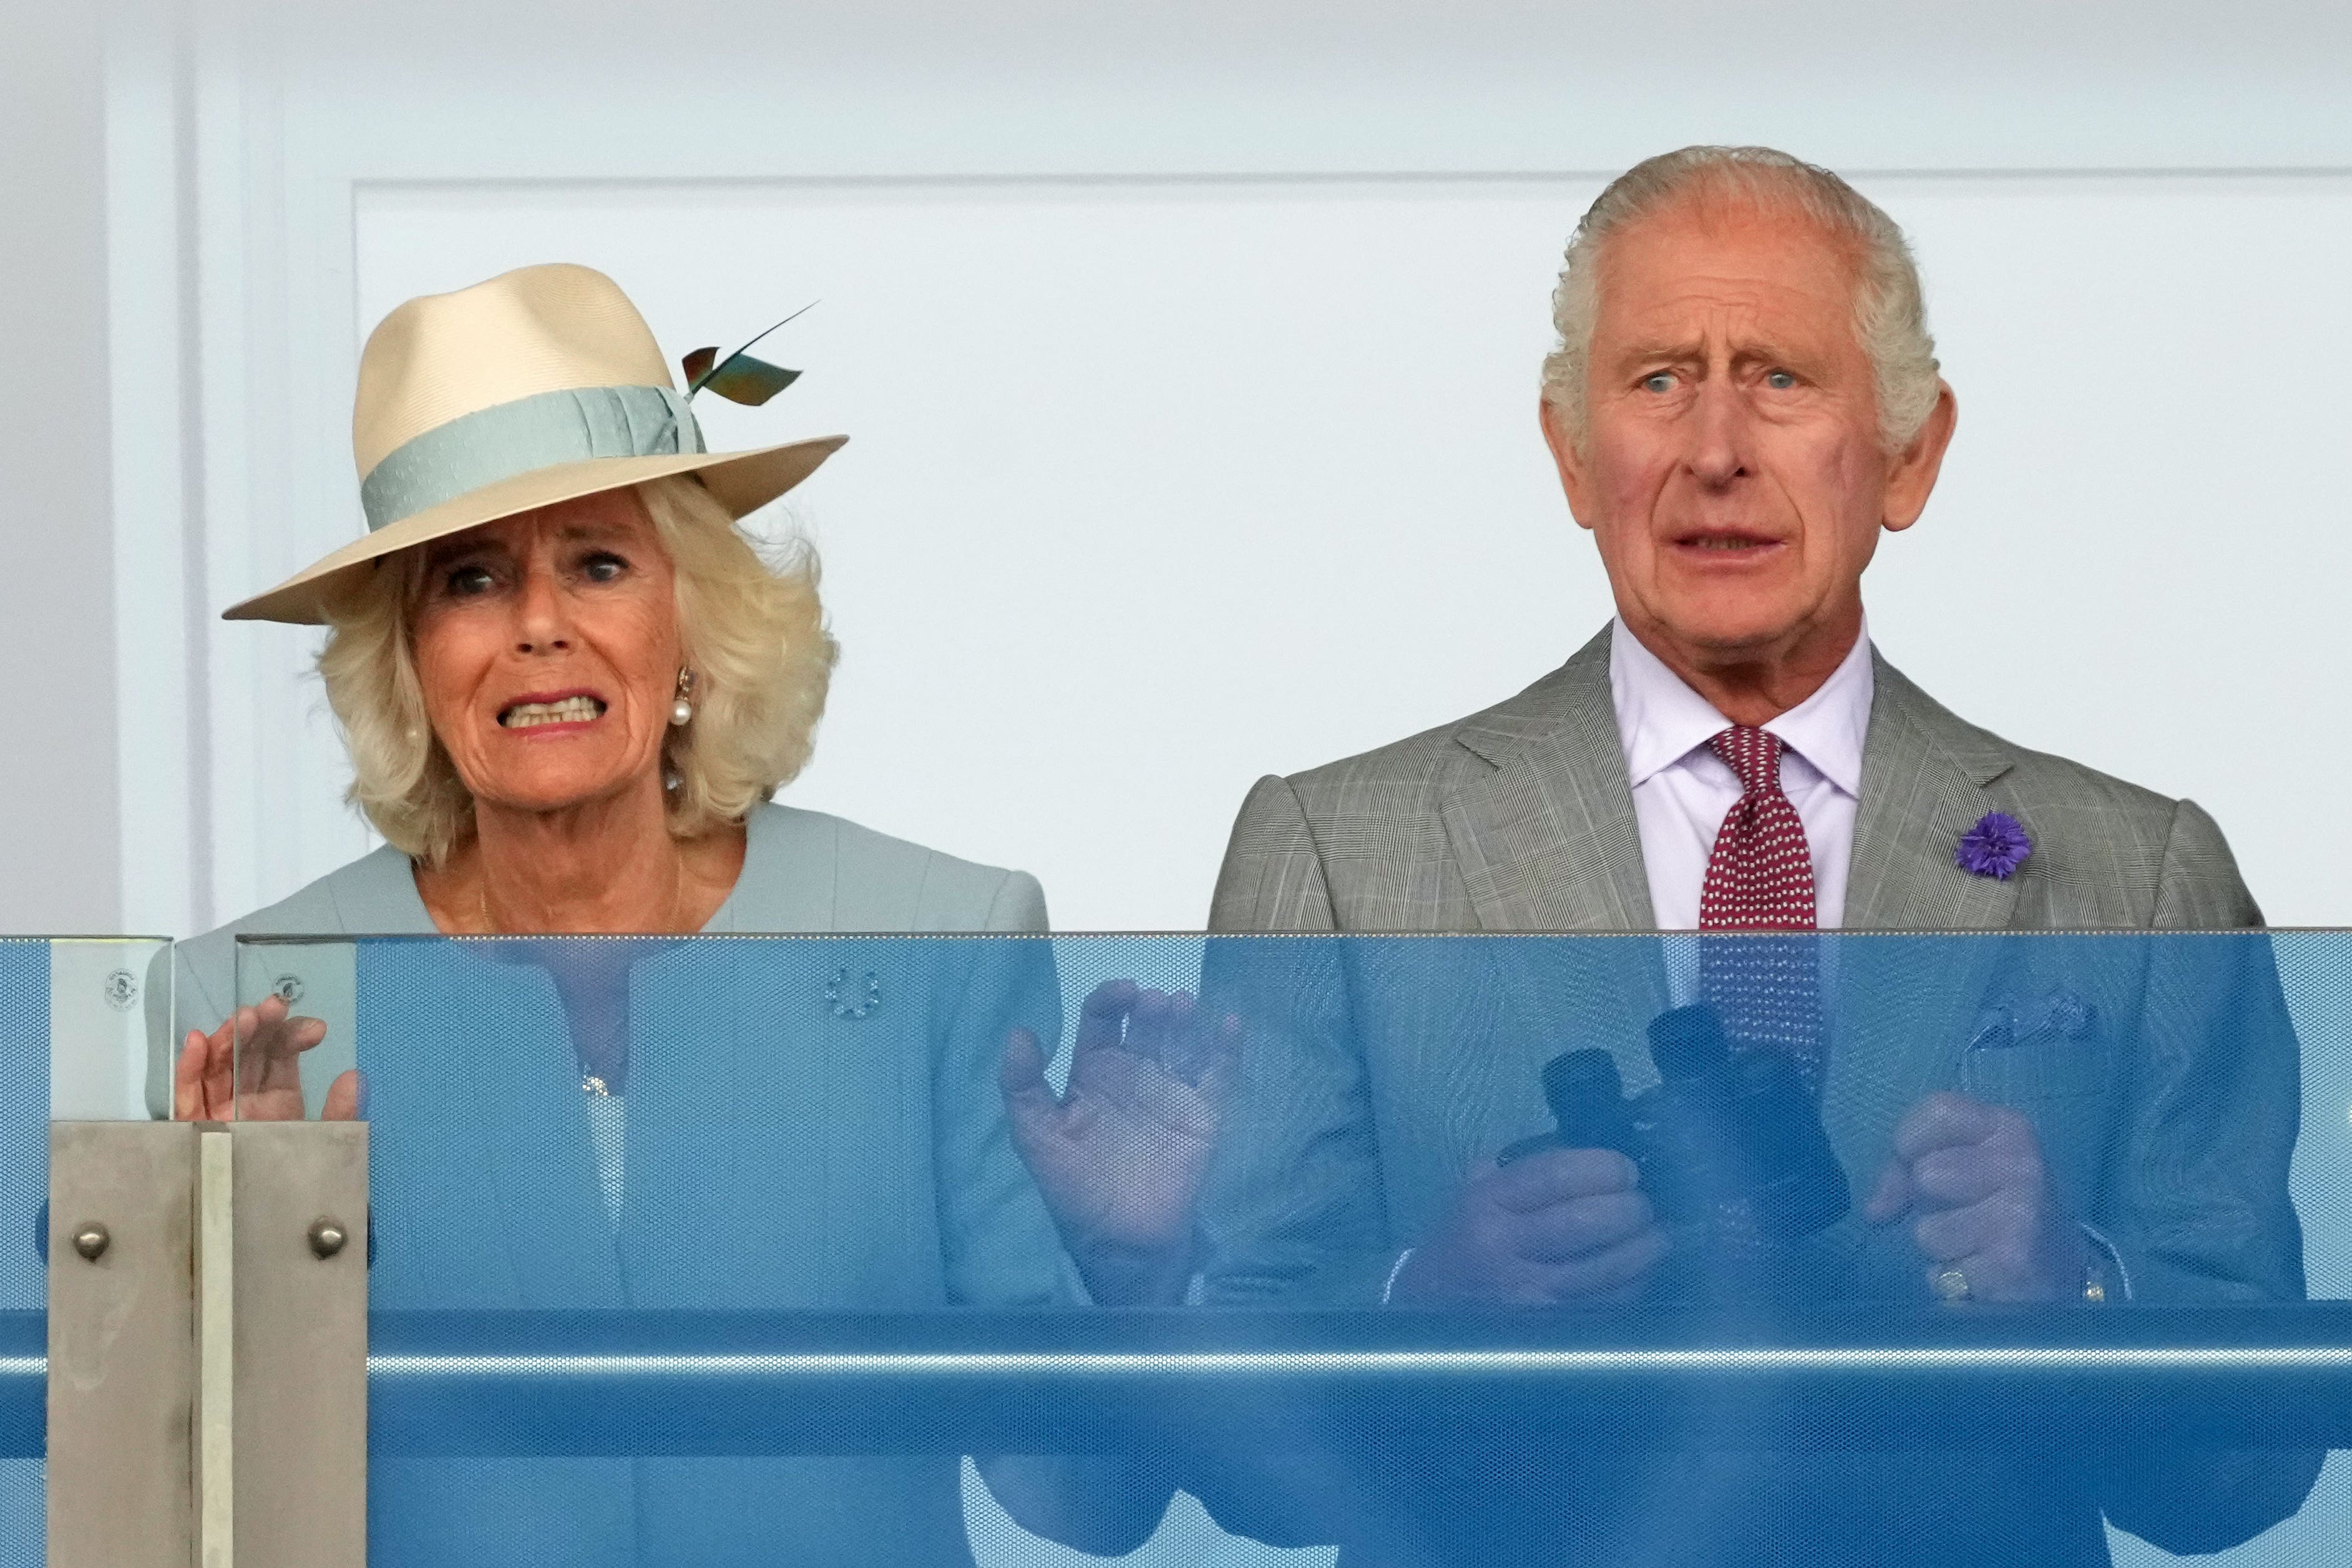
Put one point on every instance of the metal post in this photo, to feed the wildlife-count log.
(122, 1345)
(207, 1346)
(300, 1381)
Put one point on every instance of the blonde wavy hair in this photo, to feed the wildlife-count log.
(754, 631)
(1890, 310)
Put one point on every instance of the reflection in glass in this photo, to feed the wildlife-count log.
(602, 1142)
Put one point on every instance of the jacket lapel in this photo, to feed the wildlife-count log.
(1905, 1004)
(1923, 773)
(485, 1181)
(1547, 841)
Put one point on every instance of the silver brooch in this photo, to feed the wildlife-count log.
(837, 995)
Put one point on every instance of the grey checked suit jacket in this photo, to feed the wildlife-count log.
(1520, 819)
(2170, 1130)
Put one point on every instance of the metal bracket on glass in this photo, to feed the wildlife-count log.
(121, 1344)
(207, 1346)
(299, 1383)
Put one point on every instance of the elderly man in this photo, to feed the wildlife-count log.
(1744, 396)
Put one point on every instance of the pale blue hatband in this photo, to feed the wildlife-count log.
(511, 438)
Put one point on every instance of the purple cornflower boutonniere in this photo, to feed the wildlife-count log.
(1995, 847)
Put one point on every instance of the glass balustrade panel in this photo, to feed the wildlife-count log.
(1941, 1246)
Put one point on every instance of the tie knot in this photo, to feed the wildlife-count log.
(1754, 754)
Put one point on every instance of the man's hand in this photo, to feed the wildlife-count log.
(1562, 1225)
(1972, 1173)
(1121, 1152)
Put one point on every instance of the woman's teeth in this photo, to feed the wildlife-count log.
(571, 710)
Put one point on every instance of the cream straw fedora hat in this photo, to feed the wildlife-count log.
(538, 386)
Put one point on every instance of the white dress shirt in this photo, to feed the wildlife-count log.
(1683, 791)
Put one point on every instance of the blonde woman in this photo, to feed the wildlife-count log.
(570, 684)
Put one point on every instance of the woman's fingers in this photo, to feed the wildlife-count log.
(220, 1067)
(1206, 1052)
(257, 1032)
(230, 1063)
(1179, 1047)
(272, 1057)
(1224, 1063)
(1021, 1073)
(250, 1068)
(1102, 1017)
(188, 1079)
(1166, 1027)
(342, 1096)
(203, 1080)
(1144, 1092)
(1150, 1025)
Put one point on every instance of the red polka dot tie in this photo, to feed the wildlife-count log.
(1761, 878)
(1761, 875)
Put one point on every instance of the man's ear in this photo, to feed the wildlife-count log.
(1573, 479)
(1912, 478)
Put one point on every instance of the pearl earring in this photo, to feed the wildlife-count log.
(682, 710)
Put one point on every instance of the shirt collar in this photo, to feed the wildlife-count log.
(1660, 720)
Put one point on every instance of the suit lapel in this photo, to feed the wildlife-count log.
(1905, 1003)
(1923, 773)
(1547, 841)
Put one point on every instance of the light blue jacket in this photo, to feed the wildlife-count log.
(828, 1107)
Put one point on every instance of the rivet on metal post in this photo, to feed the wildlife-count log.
(91, 1241)
(327, 1238)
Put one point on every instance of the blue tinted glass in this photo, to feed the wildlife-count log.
(727, 1250)
(24, 1189)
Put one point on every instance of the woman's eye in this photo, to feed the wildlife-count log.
(602, 567)
(1662, 381)
(1779, 381)
(465, 581)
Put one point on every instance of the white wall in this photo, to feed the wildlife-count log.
(60, 862)
(1156, 489)
(1150, 490)
(1189, 348)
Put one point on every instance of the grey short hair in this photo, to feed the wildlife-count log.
(1890, 311)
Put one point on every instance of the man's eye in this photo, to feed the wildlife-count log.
(1779, 381)
(603, 567)
(465, 581)
(1662, 381)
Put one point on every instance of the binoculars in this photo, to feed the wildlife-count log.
(1723, 1131)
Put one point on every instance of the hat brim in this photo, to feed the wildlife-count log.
(742, 481)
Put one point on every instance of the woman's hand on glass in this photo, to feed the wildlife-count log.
(249, 1069)
(1121, 1151)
